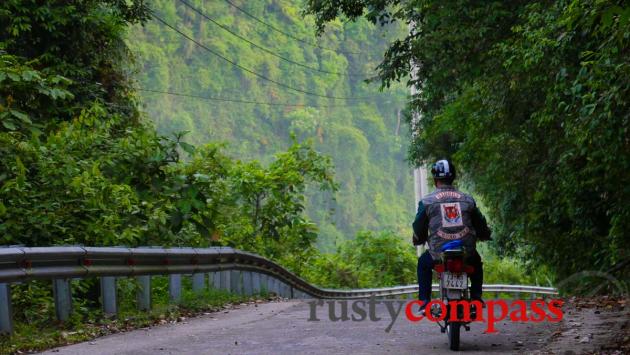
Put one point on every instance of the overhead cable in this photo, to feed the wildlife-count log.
(250, 71)
(221, 99)
(312, 44)
(263, 48)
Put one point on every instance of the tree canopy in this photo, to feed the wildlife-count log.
(79, 164)
(530, 98)
(360, 136)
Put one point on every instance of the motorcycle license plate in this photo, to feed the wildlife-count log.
(458, 281)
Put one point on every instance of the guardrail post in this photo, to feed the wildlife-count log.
(63, 298)
(235, 282)
(175, 287)
(144, 293)
(256, 283)
(271, 284)
(247, 283)
(285, 290)
(225, 280)
(276, 286)
(198, 282)
(214, 279)
(6, 321)
(108, 295)
(239, 282)
(264, 283)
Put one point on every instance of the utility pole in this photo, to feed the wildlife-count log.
(420, 185)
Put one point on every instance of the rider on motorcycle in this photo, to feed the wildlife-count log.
(445, 215)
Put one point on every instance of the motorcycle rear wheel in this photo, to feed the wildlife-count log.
(452, 329)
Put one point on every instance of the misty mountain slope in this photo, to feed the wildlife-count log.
(362, 134)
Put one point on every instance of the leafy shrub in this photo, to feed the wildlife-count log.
(372, 259)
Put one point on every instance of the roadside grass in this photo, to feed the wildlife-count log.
(36, 329)
(503, 270)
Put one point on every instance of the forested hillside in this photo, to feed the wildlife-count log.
(531, 99)
(186, 87)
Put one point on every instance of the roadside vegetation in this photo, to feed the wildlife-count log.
(530, 99)
(365, 138)
(81, 164)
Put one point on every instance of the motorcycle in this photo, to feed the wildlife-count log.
(453, 275)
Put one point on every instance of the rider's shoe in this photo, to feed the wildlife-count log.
(475, 310)
(422, 309)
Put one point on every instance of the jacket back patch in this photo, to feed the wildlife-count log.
(451, 214)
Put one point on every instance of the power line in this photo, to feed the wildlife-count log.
(263, 48)
(312, 44)
(253, 72)
(221, 99)
(239, 91)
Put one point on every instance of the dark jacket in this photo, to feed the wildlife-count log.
(448, 214)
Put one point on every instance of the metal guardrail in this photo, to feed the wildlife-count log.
(227, 268)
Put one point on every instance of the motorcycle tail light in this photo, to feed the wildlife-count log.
(439, 267)
(454, 265)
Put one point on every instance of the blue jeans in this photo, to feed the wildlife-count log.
(425, 273)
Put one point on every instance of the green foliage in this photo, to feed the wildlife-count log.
(78, 165)
(28, 97)
(89, 183)
(384, 259)
(530, 99)
(370, 260)
(359, 136)
(507, 270)
(274, 200)
(81, 42)
(81, 184)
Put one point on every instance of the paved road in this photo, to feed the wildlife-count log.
(283, 328)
